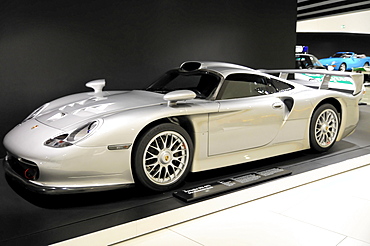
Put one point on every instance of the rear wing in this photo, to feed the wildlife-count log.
(357, 79)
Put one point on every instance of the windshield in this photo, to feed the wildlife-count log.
(343, 55)
(316, 62)
(306, 61)
(202, 83)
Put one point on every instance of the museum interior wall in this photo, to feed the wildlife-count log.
(329, 34)
(52, 48)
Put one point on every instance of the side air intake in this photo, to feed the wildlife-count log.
(289, 103)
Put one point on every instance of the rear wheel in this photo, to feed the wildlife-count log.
(163, 157)
(366, 64)
(324, 128)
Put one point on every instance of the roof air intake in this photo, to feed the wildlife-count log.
(190, 66)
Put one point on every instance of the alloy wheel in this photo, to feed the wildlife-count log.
(326, 128)
(166, 157)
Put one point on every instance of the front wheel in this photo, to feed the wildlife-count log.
(162, 157)
(343, 67)
(324, 128)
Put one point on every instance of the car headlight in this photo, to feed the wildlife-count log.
(82, 132)
(58, 142)
(65, 140)
(333, 62)
(36, 112)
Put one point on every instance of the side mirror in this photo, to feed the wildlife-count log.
(96, 85)
(180, 95)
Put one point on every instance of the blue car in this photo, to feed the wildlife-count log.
(343, 61)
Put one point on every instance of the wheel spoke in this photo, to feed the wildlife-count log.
(155, 145)
(161, 143)
(157, 173)
(168, 174)
(151, 167)
(165, 141)
(152, 155)
(321, 137)
(178, 167)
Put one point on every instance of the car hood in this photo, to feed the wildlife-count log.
(79, 108)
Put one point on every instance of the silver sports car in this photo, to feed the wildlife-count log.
(199, 116)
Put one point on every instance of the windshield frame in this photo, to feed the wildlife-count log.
(343, 55)
(159, 85)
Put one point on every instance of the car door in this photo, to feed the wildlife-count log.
(354, 61)
(249, 115)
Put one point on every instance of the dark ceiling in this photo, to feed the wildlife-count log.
(308, 9)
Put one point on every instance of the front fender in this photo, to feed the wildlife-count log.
(124, 127)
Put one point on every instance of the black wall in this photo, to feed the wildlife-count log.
(51, 48)
(323, 45)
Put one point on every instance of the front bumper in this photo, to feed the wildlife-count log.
(49, 190)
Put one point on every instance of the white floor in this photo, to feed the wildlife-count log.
(334, 211)
(328, 206)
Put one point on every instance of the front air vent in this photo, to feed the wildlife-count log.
(190, 66)
(24, 168)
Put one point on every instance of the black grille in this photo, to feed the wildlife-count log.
(24, 168)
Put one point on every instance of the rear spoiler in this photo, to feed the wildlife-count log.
(358, 78)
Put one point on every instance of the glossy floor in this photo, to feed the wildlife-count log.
(334, 211)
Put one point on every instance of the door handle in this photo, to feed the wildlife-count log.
(277, 105)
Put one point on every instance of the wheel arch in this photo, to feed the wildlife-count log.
(332, 101)
(182, 121)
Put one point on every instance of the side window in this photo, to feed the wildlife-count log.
(245, 85)
(280, 85)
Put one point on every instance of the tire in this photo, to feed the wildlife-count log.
(324, 128)
(366, 64)
(162, 157)
(342, 67)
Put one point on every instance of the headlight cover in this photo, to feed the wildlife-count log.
(65, 140)
(36, 112)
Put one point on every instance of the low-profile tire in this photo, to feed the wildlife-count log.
(324, 128)
(162, 157)
(342, 67)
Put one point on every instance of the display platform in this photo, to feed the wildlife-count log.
(29, 219)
